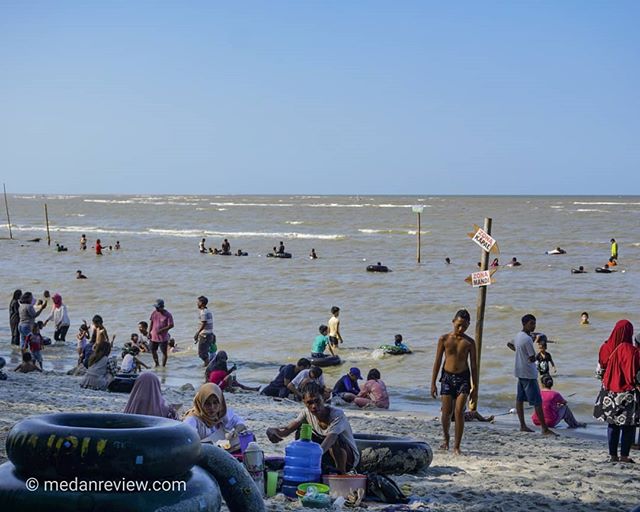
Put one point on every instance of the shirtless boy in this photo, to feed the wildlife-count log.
(459, 352)
(334, 327)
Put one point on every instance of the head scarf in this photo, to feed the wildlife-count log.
(146, 398)
(622, 333)
(620, 358)
(57, 300)
(203, 394)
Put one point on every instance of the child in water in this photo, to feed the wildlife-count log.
(584, 318)
(34, 343)
(321, 343)
(27, 364)
(83, 340)
(544, 359)
(400, 345)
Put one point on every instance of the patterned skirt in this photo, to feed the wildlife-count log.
(618, 408)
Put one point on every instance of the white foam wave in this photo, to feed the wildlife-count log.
(557, 206)
(243, 234)
(222, 209)
(109, 201)
(367, 231)
(591, 210)
(294, 222)
(603, 203)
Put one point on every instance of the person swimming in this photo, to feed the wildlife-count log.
(579, 270)
(557, 250)
(584, 318)
(514, 262)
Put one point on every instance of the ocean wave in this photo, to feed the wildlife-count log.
(294, 222)
(109, 201)
(605, 203)
(591, 210)
(556, 206)
(244, 234)
(390, 231)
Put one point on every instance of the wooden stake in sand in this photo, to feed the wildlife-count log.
(6, 204)
(46, 218)
(482, 237)
(418, 209)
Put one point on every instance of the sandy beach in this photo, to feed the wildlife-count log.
(502, 469)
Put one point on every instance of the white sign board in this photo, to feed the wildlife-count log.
(482, 278)
(484, 240)
(418, 209)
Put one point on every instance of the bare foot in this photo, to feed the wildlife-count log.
(456, 451)
(444, 446)
(525, 429)
(549, 432)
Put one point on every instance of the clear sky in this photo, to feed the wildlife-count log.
(344, 97)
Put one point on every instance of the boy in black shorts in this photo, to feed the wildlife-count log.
(457, 381)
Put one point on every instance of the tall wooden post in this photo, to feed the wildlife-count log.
(419, 237)
(418, 209)
(46, 218)
(482, 299)
(6, 204)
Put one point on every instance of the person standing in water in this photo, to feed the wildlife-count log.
(83, 243)
(281, 248)
(334, 327)
(204, 336)
(160, 323)
(98, 248)
(457, 380)
(614, 249)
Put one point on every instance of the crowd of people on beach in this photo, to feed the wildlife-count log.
(455, 367)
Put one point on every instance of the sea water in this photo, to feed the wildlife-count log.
(267, 311)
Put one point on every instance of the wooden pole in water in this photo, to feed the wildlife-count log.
(6, 204)
(46, 217)
(418, 237)
(482, 300)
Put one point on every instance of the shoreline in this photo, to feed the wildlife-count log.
(500, 469)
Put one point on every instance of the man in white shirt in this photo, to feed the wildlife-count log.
(313, 374)
(527, 374)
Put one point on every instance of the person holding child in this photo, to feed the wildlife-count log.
(543, 358)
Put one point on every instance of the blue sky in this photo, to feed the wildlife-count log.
(344, 97)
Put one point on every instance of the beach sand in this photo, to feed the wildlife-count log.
(502, 469)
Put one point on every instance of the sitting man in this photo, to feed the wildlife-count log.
(279, 386)
(347, 386)
(313, 374)
(331, 429)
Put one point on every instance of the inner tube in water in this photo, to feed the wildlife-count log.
(578, 271)
(285, 255)
(122, 383)
(200, 494)
(242, 254)
(604, 270)
(392, 455)
(103, 446)
(238, 488)
(377, 268)
(325, 361)
(393, 350)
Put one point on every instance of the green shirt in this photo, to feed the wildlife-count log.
(320, 344)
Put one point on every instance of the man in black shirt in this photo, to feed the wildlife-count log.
(278, 386)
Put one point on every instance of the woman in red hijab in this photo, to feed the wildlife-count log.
(619, 400)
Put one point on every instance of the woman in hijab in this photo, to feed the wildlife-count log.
(618, 402)
(218, 373)
(211, 418)
(102, 368)
(14, 317)
(60, 318)
(146, 398)
(27, 315)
